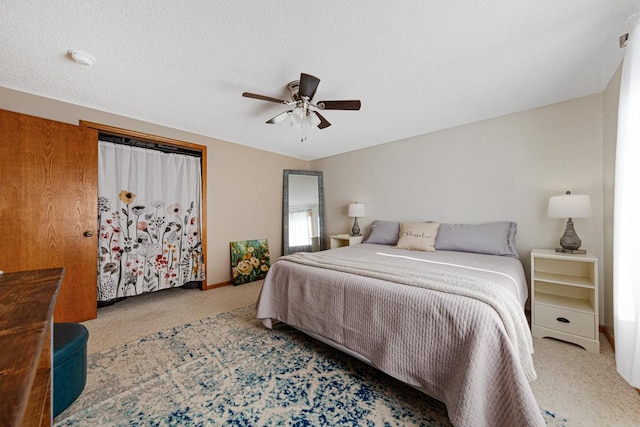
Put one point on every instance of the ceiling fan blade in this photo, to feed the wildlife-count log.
(308, 85)
(324, 123)
(339, 105)
(280, 117)
(263, 97)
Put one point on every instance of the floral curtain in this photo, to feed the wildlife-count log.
(149, 214)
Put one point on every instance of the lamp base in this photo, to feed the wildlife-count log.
(355, 231)
(572, 251)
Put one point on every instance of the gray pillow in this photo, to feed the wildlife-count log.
(384, 232)
(495, 238)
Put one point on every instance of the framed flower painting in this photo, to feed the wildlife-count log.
(249, 260)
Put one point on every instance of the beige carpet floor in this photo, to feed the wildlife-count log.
(583, 387)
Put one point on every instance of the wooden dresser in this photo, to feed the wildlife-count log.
(27, 300)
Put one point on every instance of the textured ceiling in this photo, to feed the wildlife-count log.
(417, 66)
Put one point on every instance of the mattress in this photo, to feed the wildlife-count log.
(451, 324)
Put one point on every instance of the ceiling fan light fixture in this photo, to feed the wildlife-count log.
(305, 112)
(314, 120)
(296, 117)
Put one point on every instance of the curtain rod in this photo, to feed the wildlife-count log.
(165, 148)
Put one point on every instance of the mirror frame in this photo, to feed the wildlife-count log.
(286, 249)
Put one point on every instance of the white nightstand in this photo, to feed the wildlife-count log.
(564, 297)
(341, 240)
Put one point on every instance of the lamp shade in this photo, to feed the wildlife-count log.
(569, 206)
(356, 210)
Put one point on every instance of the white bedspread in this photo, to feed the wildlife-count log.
(456, 330)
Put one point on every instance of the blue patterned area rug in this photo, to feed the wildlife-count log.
(230, 370)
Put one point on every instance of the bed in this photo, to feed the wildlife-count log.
(449, 323)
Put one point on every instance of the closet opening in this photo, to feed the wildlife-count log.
(151, 214)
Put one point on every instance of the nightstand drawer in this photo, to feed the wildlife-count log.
(576, 323)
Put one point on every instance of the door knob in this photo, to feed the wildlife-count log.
(87, 233)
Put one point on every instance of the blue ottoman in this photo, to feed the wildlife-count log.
(69, 364)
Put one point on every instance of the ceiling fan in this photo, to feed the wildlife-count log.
(305, 112)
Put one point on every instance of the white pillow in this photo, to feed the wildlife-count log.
(418, 236)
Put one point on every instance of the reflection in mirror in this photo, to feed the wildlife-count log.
(302, 211)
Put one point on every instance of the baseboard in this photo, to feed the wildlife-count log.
(609, 335)
(215, 285)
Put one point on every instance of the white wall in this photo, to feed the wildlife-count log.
(499, 169)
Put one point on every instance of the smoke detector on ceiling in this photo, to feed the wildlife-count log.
(81, 57)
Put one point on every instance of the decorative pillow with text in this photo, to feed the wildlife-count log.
(418, 236)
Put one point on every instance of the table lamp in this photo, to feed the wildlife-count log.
(356, 210)
(570, 206)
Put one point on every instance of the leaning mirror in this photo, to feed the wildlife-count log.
(302, 211)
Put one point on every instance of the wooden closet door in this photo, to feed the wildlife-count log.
(48, 201)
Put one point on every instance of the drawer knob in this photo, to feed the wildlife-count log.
(563, 320)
